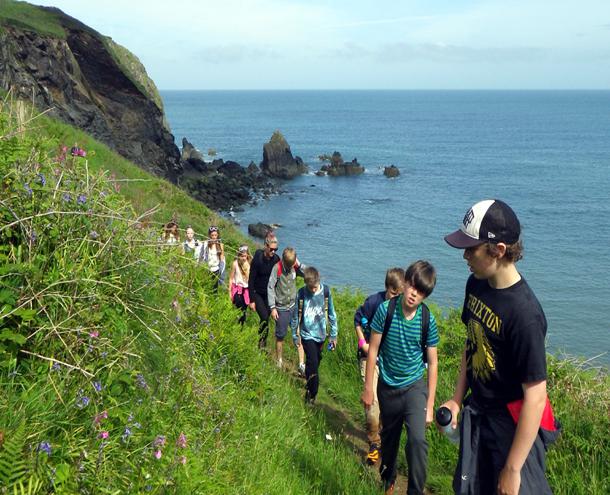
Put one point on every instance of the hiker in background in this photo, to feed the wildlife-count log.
(281, 293)
(394, 279)
(314, 312)
(238, 282)
(404, 336)
(191, 246)
(213, 254)
(507, 421)
(262, 264)
(171, 235)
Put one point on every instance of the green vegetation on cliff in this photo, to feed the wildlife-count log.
(122, 372)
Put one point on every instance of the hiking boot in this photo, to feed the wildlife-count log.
(373, 455)
(302, 370)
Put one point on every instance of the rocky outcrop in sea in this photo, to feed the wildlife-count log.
(338, 167)
(391, 171)
(278, 160)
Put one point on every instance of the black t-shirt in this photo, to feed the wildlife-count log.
(505, 341)
(260, 271)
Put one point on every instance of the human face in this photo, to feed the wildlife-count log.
(481, 263)
(214, 235)
(270, 249)
(391, 292)
(190, 234)
(412, 296)
(313, 288)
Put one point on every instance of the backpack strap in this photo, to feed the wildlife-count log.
(425, 326)
(388, 319)
(279, 269)
(326, 296)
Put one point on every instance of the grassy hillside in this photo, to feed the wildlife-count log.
(122, 372)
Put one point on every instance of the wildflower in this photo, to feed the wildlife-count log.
(103, 434)
(81, 200)
(104, 355)
(28, 189)
(141, 381)
(44, 447)
(137, 425)
(182, 460)
(212, 336)
(33, 237)
(93, 234)
(181, 442)
(217, 430)
(97, 386)
(66, 197)
(130, 417)
(126, 434)
(175, 304)
(56, 366)
(42, 179)
(177, 319)
(101, 416)
(94, 334)
(158, 454)
(82, 401)
(159, 441)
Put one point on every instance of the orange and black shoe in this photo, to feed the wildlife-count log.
(373, 455)
(389, 490)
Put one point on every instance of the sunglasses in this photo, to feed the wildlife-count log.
(213, 229)
(273, 250)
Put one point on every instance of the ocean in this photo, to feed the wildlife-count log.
(546, 153)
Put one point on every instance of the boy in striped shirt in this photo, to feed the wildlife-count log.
(404, 396)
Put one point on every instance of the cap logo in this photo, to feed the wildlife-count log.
(468, 218)
(491, 235)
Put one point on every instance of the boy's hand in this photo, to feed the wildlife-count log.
(454, 407)
(297, 341)
(429, 415)
(333, 343)
(274, 314)
(367, 397)
(365, 348)
(509, 482)
(252, 306)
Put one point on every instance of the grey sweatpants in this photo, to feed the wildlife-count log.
(406, 406)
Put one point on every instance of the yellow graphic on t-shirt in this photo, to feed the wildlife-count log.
(481, 358)
(484, 313)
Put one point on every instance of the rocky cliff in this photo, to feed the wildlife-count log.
(89, 82)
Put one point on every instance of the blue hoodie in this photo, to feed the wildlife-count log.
(313, 324)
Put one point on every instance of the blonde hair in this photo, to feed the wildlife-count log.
(311, 276)
(244, 264)
(289, 257)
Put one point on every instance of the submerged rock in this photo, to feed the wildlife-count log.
(391, 171)
(259, 229)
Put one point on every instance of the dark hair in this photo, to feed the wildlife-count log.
(422, 276)
(514, 252)
(311, 276)
(394, 278)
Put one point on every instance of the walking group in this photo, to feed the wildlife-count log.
(499, 409)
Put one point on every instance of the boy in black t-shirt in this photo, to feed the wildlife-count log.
(506, 420)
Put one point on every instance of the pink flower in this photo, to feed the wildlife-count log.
(182, 460)
(103, 434)
(94, 335)
(181, 442)
(98, 418)
(158, 454)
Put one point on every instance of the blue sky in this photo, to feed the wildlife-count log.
(382, 44)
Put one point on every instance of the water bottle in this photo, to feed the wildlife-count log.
(443, 418)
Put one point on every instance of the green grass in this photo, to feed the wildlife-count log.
(246, 426)
(30, 17)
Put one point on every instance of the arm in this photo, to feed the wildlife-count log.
(534, 399)
(271, 292)
(231, 277)
(358, 316)
(332, 319)
(294, 322)
(432, 354)
(371, 361)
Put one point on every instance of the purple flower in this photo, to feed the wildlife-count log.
(126, 434)
(97, 386)
(158, 454)
(81, 200)
(28, 189)
(181, 442)
(56, 366)
(66, 197)
(159, 441)
(42, 180)
(103, 434)
(82, 401)
(182, 460)
(93, 234)
(141, 381)
(101, 416)
(33, 237)
(44, 447)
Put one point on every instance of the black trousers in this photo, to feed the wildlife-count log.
(313, 356)
(406, 406)
(240, 303)
(264, 312)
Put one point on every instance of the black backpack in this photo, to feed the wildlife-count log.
(301, 298)
(425, 325)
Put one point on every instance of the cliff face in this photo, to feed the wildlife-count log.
(91, 83)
